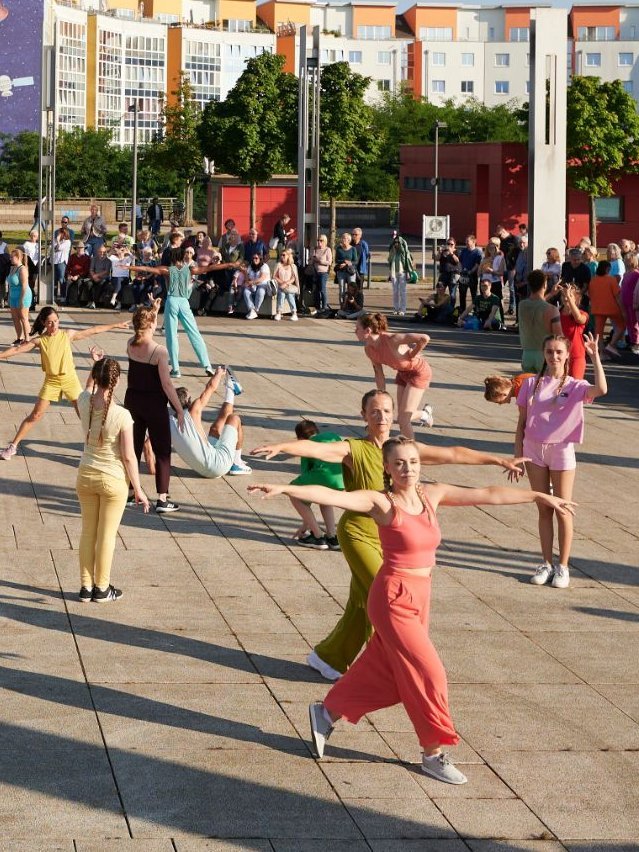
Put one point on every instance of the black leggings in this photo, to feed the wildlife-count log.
(151, 414)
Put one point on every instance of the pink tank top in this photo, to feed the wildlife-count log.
(382, 351)
(410, 541)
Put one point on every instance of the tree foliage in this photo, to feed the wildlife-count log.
(19, 156)
(88, 164)
(602, 137)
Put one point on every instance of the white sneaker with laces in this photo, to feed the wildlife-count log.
(323, 668)
(543, 574)
(439, 766)
(8, 452)
(240, 469)
(251, 315)
(426, 417)
(277, 317)
(321, 728)
(561, 577)
(293, 317)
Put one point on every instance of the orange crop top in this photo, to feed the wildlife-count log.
(410, 541)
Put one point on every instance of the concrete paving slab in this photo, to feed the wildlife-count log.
(493, 818)
(411, 845)
(603, 658)
(379, 781)
(33, 845)
(319, 845)
(578, 794)
(191, 844)
(518, 846)
(390, 817)
(122, 844)
(483, 783)
(406, 747)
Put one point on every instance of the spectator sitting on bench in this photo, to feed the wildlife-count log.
(99, 275)
(77, 274)
(142, 284)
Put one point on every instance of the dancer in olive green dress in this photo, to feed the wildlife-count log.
(361, 459)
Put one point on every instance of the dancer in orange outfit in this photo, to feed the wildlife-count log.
(400, 352)
(400, 663)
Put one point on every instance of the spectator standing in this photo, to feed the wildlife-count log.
(471, 258)
(551, 267)
(93, 231)
(628, 286)
(229, 228)
(494, 265)
(282, 233)
(61, 252)
(345, 264)
(605, 303)
(138, 218)
(617, 266)
(155, 216)
(573, 326)
(363, 255)
(590, 259)
(64, 223)
(575, 271)
(123, 238)
(322, 261)
(255, 245)
(450, 267)
(31, 248)
(521, 272)
(400, 266)
(5, 265)
(509, 246)
(99, 273)
(537, 320)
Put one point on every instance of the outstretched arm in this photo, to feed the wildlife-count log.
(335, 451)
(96, 329)
(158, 270)
(17, 350)
(354, 501)
(463, 455)
(441, 494)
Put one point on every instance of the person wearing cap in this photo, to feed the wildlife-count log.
(78, 266)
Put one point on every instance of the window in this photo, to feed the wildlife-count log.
(355, 57)
(491, 34)
(369, 32)
(625, 59)
(502, 60)
(427, 184)
(519, 34)
(438, 87)
(439, 58)
(596, 34)
(468, 60)
(383, 57)
(527, 87)
(627, 86)
(237, 25)
(467, 87)
(593, 60)
(436, 33)
(609, 209)
(383, 85)
(502, 87)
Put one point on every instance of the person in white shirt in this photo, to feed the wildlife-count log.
(121, 259)
(61, 251)
(218, 453)
(258, 275)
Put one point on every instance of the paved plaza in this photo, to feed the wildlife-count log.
(176, 718)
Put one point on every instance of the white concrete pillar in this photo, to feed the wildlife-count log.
(547, 133)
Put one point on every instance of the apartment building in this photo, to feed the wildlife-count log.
(110, 52)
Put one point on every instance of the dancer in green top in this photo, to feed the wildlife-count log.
(361, 460)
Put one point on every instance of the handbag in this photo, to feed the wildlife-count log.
(412, 277)
(271, 288)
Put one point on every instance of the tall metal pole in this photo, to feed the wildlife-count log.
(302, 142)
(134, 199)
(435, 200)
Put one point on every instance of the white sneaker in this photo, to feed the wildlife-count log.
(323, 668)
(277, 317)
(293, 317)
(439, 766)
(561, 577)
(321, 728)
(543, 574)
(426, 417)
(240, 469)
(251, 315)
(9, 452)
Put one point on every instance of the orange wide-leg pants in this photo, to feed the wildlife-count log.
(400, 663)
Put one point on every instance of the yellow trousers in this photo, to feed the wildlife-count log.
(102, 502)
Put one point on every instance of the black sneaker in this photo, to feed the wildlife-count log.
(85, 594)
(309, 540)
(109, 594)
(332, 542)
(165, 506)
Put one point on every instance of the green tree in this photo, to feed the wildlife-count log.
(19, 156)
(89, 164)
(602, 138)
(347, 143)
(253, 133)
(178, 148)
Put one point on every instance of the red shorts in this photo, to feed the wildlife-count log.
(418, 377)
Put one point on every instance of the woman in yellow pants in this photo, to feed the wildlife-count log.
(357, 533)
(102, 486)
(56, 357)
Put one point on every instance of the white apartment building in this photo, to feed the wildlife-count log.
(609, 52)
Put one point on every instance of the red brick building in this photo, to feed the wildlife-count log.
(485, 184)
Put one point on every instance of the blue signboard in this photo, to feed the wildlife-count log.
(21, 23)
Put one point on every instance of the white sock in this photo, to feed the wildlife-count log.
(229, 395)
(238, 456)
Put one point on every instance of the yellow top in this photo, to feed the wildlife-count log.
(56, 356)
(106, 456)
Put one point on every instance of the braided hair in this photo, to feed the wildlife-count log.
(387, 448)
(558, 338)
(143, 318)
(105, 375)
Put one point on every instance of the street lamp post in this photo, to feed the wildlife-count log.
(134, 108)
(439, 125)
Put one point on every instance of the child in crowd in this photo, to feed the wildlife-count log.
(352, 306)
(317, 472)
(502, 390)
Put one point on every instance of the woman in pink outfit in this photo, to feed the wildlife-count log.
(628, 286)
(400, 663)
(400, 352)
(551, 422)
